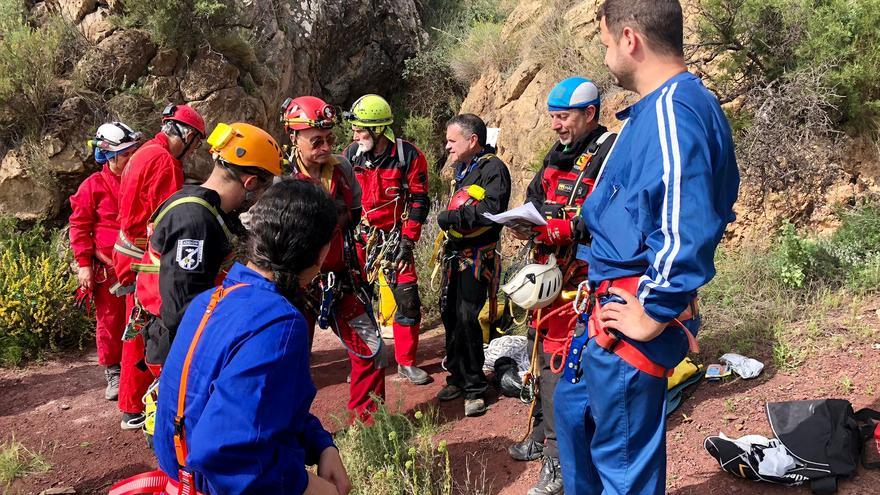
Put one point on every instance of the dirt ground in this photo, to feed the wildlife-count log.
(57, 407)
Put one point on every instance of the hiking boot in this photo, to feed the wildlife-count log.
(132, 421)
(414, 374)
(449, 392)
(550, 479)
(111, 374)
(474, 407)
(527, 450)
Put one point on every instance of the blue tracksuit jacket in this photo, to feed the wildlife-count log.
(248, 425)
(662, 202)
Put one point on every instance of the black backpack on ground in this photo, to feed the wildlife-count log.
(825, 437)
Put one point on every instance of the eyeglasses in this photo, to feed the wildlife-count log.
(319, 141)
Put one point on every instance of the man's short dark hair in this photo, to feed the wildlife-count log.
(659, 21)
(470, 124)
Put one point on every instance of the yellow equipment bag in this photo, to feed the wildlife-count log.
(682, 372)
(387, 306)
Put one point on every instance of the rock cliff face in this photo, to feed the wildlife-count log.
(515, 101)
(337, 49)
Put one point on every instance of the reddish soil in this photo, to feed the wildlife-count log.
(57, 407)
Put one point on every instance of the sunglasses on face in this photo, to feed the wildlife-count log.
(318, 141)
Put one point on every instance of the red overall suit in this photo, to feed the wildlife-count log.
(394, 183)
(367, 375)
(93, 229)
(151, 176)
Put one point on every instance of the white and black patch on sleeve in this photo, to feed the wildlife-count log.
(189, 253)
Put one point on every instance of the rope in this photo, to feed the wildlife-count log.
(531, 382)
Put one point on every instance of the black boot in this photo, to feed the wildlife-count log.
(550, 480)
(527, 450)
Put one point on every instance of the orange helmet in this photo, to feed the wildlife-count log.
(244, 145)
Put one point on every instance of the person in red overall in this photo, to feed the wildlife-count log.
(309, 122)
(154, 173)
(558, 190)
(394, 177)
(93, 228)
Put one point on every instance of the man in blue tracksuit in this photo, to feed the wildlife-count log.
(656, 215)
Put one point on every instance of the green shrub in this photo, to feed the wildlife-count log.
(430, 296)
(756, 42)
(396, 455)
(30, 58)
(424, 132)
(801, 261)
(17, 461)
(482, 49)
(432, 88)
(182, 24)
(36, 294)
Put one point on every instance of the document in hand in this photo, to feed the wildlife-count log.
(525, 214)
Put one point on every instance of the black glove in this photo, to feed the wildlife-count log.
(405, 251)
(447, 219)
(579, 232)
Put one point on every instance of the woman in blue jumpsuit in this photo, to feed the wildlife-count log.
(246, 422)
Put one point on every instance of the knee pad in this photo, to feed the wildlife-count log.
(409, 306)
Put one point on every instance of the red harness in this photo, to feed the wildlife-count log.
(612, 342)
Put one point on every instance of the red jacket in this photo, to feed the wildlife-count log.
(152, 175)
(340, 190)
(94, 222)
(390, 184)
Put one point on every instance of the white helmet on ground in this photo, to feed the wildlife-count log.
(536, 285)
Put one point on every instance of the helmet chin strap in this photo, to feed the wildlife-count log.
(187, 145)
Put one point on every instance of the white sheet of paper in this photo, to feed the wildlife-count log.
(526, 213)
(492, 136)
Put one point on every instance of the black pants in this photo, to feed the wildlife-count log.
(465, 298)
(544, 430)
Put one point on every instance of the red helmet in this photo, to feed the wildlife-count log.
(467, 196)
(304, 112)
(186, 115)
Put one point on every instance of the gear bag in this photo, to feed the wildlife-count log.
(825, 438)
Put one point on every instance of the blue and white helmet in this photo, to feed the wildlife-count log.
(574, 92)
(113, 138)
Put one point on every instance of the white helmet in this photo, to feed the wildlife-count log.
(116, 137)
(536, 285)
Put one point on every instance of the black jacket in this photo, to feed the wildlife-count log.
(492, 175)
(193, 247)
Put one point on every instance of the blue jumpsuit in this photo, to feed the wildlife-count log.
(247, 419)
(658, 212)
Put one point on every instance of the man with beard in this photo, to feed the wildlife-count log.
(190, 247)
(309, 122)
(656, 215)
(558, 191)
(394, 177)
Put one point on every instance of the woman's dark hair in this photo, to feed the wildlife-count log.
(290, 224)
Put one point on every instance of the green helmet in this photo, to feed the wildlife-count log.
(372, 112)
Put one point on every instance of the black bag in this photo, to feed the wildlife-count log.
(825, 437)
(822, 435)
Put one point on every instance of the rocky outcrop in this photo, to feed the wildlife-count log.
(120, 59)
(23, 195)
(515, 101)
(268, 50)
